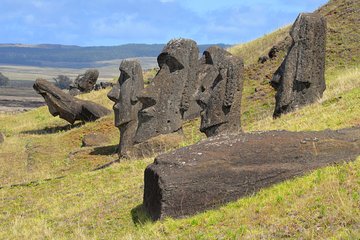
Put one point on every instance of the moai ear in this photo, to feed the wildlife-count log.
(232, 84)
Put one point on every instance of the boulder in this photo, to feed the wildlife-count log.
(2, 137)
(225, 168)
(94, 139)
(66, 106)
(168, 98)
(124, 94)
(84, 83)
(300, 78)
(219, 96)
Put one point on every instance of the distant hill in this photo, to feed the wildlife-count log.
(54, 55)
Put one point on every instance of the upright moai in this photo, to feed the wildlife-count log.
(124, 95)
(166, 101)
(300, 78)
(219, 95)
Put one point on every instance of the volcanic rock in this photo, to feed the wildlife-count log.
(2, 137)
(220, 93)
(168, 98)
(224, 168)
(124, 94)
(66, 106)
(300, 78)
(84, 83)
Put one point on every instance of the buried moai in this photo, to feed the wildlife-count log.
(66, 106)
(124, 95)
(84, 83)
(168, 98)
(300, 78)
(220, 92)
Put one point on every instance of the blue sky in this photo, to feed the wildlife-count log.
(115, 22)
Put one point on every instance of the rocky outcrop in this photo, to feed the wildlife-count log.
(67, 107)
(124, 94)
(168, 98)
(84, 83)
(2, 137)
(220, 92)
(224, 168)
(300, 78)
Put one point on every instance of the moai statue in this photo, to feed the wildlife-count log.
(66, 106)
(220, 93)
(168, 97)
(124, 95)
(84, 83)
(300, 78)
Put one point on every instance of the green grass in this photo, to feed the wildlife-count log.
(61, 197)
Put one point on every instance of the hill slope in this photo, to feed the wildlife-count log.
(342, 52)
(59, 196)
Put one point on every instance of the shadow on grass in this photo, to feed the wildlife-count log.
(105, 150)
(139, 215)
(52, 130)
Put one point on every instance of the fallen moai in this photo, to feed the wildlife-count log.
(219, 95)
(300, 78)
(124, 94)
(224, 168)
(66, 106)
(84, 83)
(168, 97)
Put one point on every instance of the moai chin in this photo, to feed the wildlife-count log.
(220, 93)
(124, 95)
(300, 78)
(166, 99)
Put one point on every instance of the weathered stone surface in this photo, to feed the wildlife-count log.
(84, 82)
(94, 139)
(2, 137)
(168, 98)
(220, 93)
(300, 78)
(66, 106)
(103, 85)
(156, 145)
(124, 94)
(224, 168)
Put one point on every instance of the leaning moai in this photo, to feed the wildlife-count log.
(220, 93)
(300, 78)
(124, 95)
(84, 83)
(167, 99)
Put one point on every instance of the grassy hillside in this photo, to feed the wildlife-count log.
(49, 188)
(342, 52)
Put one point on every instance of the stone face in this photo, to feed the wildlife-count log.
(124, 94)
(220, 93)
(94, 139)
(168, 98)
(300, 78)
(84, 82)
(66, 106)
(224, 168)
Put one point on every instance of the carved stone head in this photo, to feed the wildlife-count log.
(219, 95)
(162, 107)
